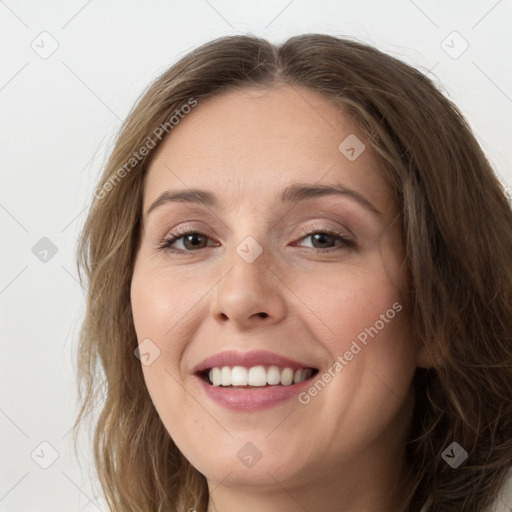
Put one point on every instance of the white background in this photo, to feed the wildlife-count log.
(58, 119)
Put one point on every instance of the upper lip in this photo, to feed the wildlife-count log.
(248, 360)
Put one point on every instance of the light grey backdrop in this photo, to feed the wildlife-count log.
(70, 71)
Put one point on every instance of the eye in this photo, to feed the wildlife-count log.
(327, 240)
(191, 240)
(323, 241)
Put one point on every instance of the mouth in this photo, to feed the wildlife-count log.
(254, 369)
(251, 381)
(258, 376)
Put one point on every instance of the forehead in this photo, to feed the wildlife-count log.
(252, 142)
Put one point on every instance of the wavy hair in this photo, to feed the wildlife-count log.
(456, 226)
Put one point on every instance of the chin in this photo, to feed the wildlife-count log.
(243, 463)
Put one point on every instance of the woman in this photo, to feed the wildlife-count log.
(299, 290)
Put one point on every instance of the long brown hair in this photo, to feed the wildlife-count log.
(457, 231)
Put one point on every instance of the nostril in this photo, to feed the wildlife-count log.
(263, 315)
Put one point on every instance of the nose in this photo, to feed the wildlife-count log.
(251, 292)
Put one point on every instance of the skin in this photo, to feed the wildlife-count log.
(345, 447)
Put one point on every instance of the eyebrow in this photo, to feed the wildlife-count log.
(291, 195)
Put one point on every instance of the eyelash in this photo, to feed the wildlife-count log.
(346, 243)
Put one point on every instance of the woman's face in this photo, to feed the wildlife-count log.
(282, 277)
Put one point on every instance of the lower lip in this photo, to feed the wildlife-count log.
(252, 399)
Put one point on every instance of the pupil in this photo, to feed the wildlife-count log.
(321, 237)
(193, 239)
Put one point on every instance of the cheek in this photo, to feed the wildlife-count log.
(343, 300)
(359, 317)
(158, 309)
(162, 301)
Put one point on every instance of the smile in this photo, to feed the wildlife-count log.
(249, 381)
(257, 376)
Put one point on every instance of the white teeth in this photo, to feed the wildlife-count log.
(225, 379)
(273, 375)
(257, 376)
(287, 377)
(216, 376)
(239, 376)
